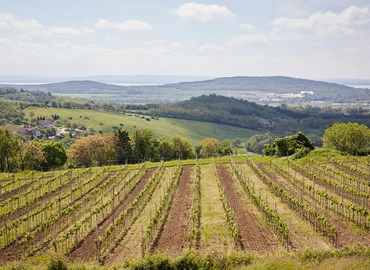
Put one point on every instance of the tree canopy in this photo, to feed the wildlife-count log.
(298, 145)
(352, 138)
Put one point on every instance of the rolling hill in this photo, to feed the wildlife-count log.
(251, 88)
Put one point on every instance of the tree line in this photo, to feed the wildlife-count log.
(117, 147)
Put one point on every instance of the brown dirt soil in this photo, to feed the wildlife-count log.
(174, 237)
(23, 188)
(40, 201)
(254, 236)
(347, 234)
(14, 252)
(87, 249)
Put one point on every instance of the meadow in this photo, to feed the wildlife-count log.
(192, 131)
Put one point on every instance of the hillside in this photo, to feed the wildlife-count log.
(223, 110)
(192, 131)
(279, 84)
(250, 88)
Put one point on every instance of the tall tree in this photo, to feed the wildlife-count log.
(9, 149)
(54, 153)
(123, 145)
(93, 150)
(210, 147)
(31, 155)
(182, 148)
(143, 144)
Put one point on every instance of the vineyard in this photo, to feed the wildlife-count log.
(249, 204)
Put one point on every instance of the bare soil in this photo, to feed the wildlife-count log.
(14, 252)
(87, 249)
(254, 236)
(347, 234)
(174, 237)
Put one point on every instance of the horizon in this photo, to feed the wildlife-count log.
(293, 38)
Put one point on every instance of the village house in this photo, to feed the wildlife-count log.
(29, 131)
(45, 123)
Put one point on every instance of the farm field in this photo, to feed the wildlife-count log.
(192, 131)
(249, 205)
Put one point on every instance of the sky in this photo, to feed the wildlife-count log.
(298, 38)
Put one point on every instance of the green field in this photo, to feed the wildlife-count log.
(193, 131)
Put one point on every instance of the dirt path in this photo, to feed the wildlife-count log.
(174, 238)
(348, 235)
(254, 236)
(87, 250)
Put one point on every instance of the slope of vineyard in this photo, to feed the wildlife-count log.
(245, 204)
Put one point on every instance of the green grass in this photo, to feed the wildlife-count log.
(309, 259)
(193, 131)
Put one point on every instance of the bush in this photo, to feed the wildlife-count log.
(57, 264)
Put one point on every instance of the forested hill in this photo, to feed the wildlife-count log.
(82, 87)
(253, 87)
(278, 84)
(223, 110)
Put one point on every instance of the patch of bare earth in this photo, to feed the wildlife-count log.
(348, 235)
(174, 237)
(254, 236)
(87, 249)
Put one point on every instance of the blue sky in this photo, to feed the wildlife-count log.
(308, 39)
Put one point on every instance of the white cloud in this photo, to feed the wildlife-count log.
(62, 31)
(246, 27)
(203, 12)
(88, 30)
(130, 25)
(349, 17)
(211, 47)
(9, 21)
(178, 45)
(259, 40)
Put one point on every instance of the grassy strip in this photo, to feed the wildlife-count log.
(350, 258)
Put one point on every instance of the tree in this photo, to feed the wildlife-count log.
(297, 144)
(224, 148)
(256, 143)
(54, 153)
(123, 145)
(93, 150)
(351, 137)
(165, 149)
(236, 142)
(210, 147)
(182, 148)
(143, 144)
(31, 155)
(9, 149)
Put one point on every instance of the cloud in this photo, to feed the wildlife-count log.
(343, 21)
(211, 48)
(177, 45)
(130, 25)
(259, 40)
(203, 12)
(9, 21)
(246, 27)
(62, 31)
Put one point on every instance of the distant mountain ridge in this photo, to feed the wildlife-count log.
(263, 83)
(228, 86)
